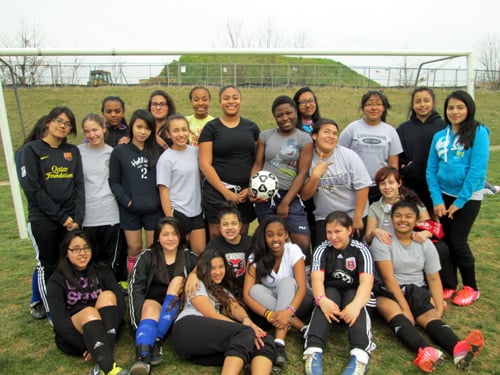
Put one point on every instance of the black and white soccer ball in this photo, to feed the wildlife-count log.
(264, 184)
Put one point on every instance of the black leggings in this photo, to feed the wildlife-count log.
(207, 341)
(456, 235)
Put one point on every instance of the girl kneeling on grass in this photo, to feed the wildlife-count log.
(214, 329)
(275, 282)
(86, 304)
(410, 276)
(342, 280)
(154, 288)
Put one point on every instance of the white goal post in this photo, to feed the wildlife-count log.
(12, 52)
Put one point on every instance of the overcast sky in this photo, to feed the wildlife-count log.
(325, 24)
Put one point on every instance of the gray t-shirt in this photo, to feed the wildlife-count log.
(189, 308)
(101, 207)
(338, 186)
(282, 154)
(409, 262)
(179, 171)
(382, 212)
(373, 143)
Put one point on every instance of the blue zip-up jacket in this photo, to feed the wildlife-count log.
(454, 170)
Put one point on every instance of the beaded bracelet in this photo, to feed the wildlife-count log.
(319, 299)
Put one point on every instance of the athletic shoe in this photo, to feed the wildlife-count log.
(281, 358)
(124, 286)
(355, 367)
(448, 293)
(466, 296)
(428, 358)
(157, 353)
(96, 370)
(303, 331)
(314, 363)
(118, 371)
(37, 310)
(140, 368)
(465, 350)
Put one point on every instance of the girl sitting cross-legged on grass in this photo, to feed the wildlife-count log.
(275, 282)
(87, 305)
(342, 281)
(410, 277)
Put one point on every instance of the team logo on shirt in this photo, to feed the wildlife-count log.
(237, 262)
(68, 156)
(350, 263)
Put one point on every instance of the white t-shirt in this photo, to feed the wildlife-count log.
(291, 255)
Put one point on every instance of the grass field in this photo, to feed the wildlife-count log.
(27, 346)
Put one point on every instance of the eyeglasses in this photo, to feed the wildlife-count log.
(80, 250)
(307, 101)
(60, 121)
(379, 104)
(161, 104)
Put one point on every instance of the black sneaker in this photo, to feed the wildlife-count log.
(281, 358)
(157, 353)
(140, 368)
(143, 360)
(37, 310)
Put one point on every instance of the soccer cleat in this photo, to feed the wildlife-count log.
(124, 286)
(448, 293)
(314, 363)
(465, 350)
(157, 353)
(428, 358)
(355, 367)
(37, 310)
(96, 370)
(118, 371)
(140, 368)
(281, 358)
(466, 296)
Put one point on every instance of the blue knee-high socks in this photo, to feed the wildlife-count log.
(169, 310)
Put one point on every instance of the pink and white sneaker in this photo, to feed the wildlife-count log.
(448, 293)
(466, 296)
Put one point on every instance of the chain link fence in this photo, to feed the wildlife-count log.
(250, 75)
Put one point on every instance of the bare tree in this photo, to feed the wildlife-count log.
(27, 69)
(489, 58)
(233, 35)
(301, 40)
(269, 36)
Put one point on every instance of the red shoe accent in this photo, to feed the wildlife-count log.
(466, 296)
(428, 358)
(448, 293)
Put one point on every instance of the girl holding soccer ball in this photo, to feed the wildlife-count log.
(287, 153)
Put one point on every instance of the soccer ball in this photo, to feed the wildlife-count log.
(264, 184)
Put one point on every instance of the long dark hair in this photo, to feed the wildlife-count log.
(151, 149)
(467, 130)
(157, 250)
(203, 268)
(316, 116)
(37, 132)
(264, 259)
(68, 270)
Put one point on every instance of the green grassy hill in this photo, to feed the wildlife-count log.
(267, 71)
